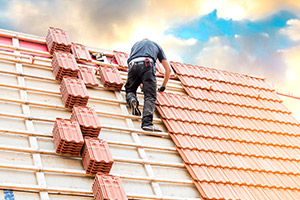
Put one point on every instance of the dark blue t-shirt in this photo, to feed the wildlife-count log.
(147, 48)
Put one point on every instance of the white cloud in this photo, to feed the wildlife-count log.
(292, 59)
(218, 53)
(292, 30)
(176, 48)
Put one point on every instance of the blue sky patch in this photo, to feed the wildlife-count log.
(211, 25)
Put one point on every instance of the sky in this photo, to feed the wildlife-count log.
(254, 37)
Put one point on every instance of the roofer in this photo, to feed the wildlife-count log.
(142, 69)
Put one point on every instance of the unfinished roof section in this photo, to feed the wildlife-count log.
(237, 139)
(30, 102)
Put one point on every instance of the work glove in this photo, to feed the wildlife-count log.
(161, 88)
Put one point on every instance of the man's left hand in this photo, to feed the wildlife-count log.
(161, 88)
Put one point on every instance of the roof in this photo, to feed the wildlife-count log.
(30, 103)
(237, 139)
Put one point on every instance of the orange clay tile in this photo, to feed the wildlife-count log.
(110, 77)
(73, 92)
(161, 70)
(81, 52)
(67, 137)
(88, 76)
(64, 64)
(236, 138)
(58, 40)
(121, 58)
(108, 187)
(96, 156)
(87, 119)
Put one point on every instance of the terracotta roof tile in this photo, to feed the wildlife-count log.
(58, 40)
(161, 70)
(110, 77)
(96, 156)
(64, 64)
(67, 137)
(184, 141)
(87, 74)
(108, 187)
(237, 139)
(87, 119)
(73, 92)
(121, 58)
(81, 52)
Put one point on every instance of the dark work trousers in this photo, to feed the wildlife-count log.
(138, 73)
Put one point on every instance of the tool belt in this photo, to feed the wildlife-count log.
(148, 62)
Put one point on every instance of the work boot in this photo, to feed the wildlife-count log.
(133, 104)
(151, 128)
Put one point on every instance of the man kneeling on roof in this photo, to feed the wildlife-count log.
(142, 69)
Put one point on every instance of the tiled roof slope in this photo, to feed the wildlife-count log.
(237, 139)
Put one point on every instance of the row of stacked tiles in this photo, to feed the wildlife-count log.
(232, 134)
(228, 88)
(188, 103)
(58, 40)
(67, 133)
(64, 64)
(220, 191)
(218, 75)
(226, 120)
(96, 157)
(68, 140)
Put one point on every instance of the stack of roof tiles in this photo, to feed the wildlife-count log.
(88, 76)
(237, 139)
(96, 156)
(58, 40)
(67, 137)
(121, 58)
(73, 92)
(87, 119)
(110, 77)
(64, 64)
(81, 52)
(68, 134)
(108, 187)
